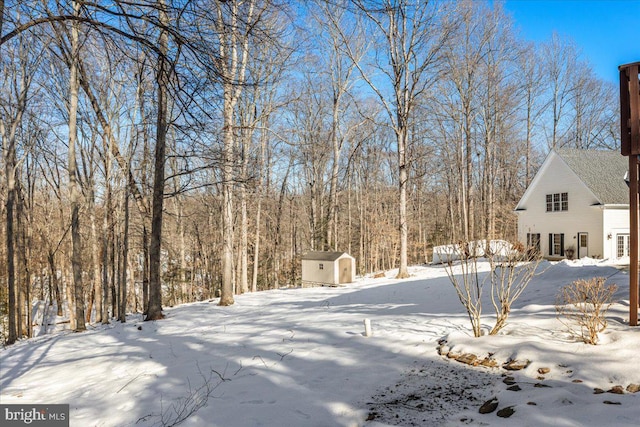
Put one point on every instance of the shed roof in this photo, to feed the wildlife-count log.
(323, 255)
(601, 171)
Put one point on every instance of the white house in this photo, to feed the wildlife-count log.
(328, 268)
(578, 201)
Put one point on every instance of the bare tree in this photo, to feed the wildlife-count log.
(413, 34)
(532, 86)
(238, 26)
(593, 111)
(154, 311)
(310, 131)
(335, 24)
(498, 102)
(464, 55)
(77, 295)
(17, 85)
(234, 54)
(267, 65)
(560, 67)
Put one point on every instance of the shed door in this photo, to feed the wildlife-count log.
(344, 265)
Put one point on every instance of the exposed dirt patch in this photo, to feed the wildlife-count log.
(431, 393)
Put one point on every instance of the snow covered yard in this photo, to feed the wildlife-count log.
(299, 357)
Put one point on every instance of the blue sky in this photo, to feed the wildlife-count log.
(606, 31)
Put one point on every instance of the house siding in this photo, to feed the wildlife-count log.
(616, 221)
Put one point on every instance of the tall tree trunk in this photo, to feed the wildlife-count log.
(95, 261)
(332, 213)
(278, 236)
(247, 134)
(244, 242)
(154, 311)
(233, 56)
(145, 268)
(527, 159)
(90, 301)
(182, 274)
(24, 300)
(403, 271)
(260, 192)
(54, 283)
(468, 185)
(113, 253)
(107, 235)
(256, 247)
(76, 194)
(9, 241)
(8, 136)
(10, 176)
(105, 274)
(122, 306)
(226, 296)
(349, 214)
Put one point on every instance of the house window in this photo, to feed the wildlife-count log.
(622, 245)
(556, 244)
(321, 266)
(533, 241)
(557, 202)
(583, 240)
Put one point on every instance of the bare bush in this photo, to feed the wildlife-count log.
(466, 280)
(182, 408)
(582, 307)
(511, 271)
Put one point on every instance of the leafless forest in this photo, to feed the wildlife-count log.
(156, 152)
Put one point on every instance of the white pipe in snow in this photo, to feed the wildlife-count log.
(367, 328)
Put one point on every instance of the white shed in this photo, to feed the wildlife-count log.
(328, 268)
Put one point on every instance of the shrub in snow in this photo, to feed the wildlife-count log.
(511, 271)
(467, 282)
(582, 307)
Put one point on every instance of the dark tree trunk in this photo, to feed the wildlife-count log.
(154, 311)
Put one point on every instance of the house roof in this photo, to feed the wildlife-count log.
(323, 255)
(601, 171)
